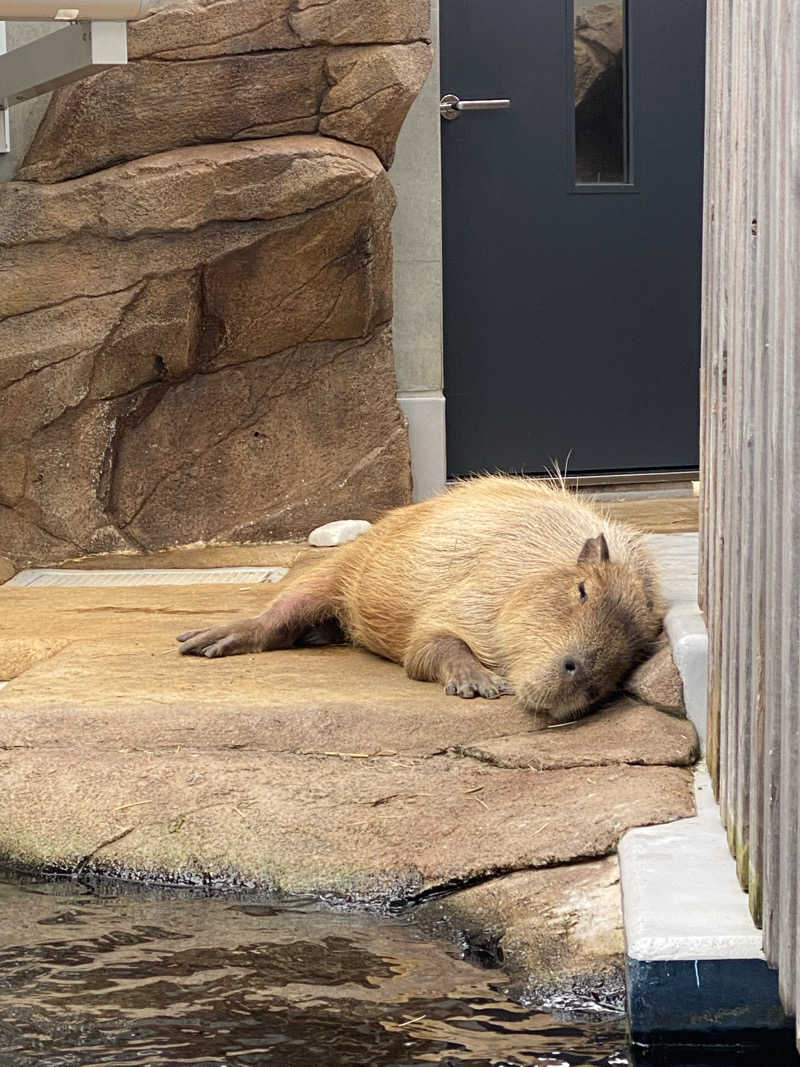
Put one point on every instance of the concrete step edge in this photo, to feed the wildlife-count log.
(693, 953)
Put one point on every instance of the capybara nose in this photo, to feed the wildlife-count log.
(571, 669)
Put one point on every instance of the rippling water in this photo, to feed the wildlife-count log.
(92, 976)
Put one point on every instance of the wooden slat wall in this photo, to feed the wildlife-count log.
(750, 448)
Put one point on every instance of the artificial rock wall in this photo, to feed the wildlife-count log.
(195, 283)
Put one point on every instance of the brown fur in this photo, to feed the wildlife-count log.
(501, 584)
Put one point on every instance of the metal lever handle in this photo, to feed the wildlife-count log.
(450, 106)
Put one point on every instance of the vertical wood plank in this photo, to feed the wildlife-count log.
(774, 297)
(740, 549)
(790, 535)
(719, 127)
(707, 321)
(732, 272)
(791, 964)
(758, 385)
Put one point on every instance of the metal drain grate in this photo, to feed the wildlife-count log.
(212, 575)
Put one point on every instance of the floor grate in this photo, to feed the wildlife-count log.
(212, 575)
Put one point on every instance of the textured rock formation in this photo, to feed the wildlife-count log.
(556, 931)
(658, 682)
(192, 29)
(204, 71)
(196, 302)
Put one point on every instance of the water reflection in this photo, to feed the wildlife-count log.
(601, 148)
(97, 977)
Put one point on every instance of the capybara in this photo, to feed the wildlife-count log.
(500, 585)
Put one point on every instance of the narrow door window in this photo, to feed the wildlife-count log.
(600, 92)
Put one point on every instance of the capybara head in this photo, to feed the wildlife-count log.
(570, 634)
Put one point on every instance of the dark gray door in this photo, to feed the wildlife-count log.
(572, 233)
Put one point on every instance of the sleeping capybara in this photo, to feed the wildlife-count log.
(500, 585)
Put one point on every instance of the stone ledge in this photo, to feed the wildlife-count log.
(556, 932)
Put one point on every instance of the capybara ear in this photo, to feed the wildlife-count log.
(595, 550)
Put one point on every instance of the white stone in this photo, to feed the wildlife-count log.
(338, 533)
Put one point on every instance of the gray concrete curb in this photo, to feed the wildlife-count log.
(694, 959)
(677, 556)
(686, 631)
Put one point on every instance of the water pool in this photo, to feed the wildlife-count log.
(95, 974)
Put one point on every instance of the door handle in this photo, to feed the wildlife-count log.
(450, 106)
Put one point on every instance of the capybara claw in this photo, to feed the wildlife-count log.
(193, 644)
(218, 641)
(488, 686)
(228, 646)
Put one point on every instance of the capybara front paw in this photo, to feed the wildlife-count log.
(474, 683)
(232, 640)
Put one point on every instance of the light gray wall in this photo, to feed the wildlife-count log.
(416, 175)
(24, 118)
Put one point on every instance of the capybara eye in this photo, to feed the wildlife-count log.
(582, 592)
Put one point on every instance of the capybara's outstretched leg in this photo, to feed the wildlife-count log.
(306, 608)
(447, 659)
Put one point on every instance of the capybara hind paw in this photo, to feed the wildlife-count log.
(474, 683)
(220, 641)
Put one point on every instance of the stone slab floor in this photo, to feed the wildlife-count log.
(326, 772)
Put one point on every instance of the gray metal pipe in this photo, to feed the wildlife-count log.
(70, 10)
